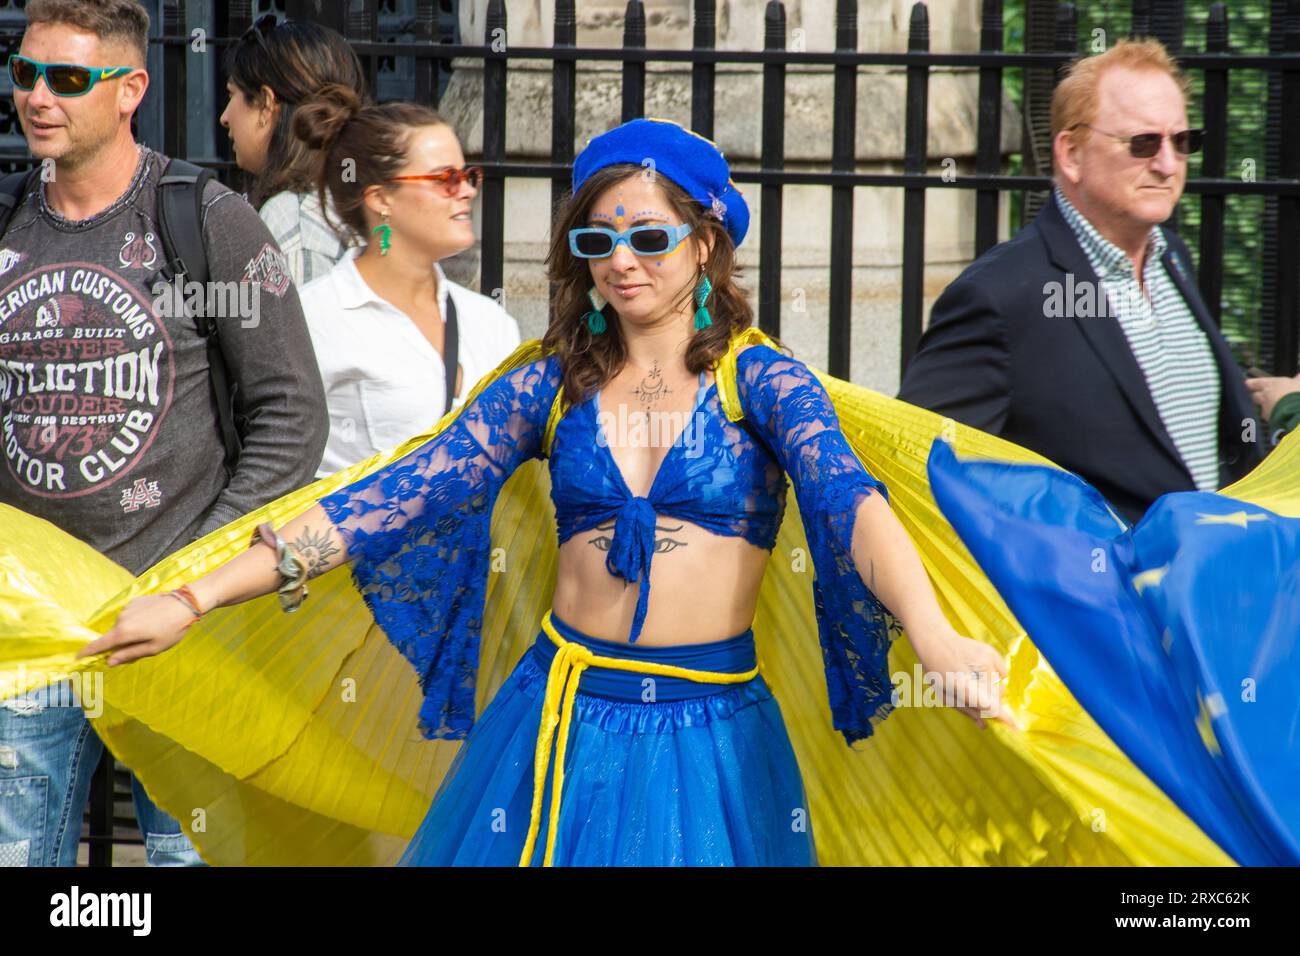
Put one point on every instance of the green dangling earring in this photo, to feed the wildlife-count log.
(702, 293)
(596, 318)
(386, 232)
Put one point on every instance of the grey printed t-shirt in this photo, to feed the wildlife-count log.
(108, 425)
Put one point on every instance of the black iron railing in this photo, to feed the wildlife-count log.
(409, 49)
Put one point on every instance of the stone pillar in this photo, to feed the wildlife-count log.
(878, 217)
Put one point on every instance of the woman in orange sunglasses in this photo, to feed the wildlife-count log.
(398, 343)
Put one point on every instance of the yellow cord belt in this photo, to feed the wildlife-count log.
(567, 666)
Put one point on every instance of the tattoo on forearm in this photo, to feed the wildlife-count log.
(316, 548)
(662, 545)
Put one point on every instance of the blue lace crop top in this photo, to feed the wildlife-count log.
(713, 466)
(417, 531)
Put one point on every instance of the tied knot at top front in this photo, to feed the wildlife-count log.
(714, 475)
(418, 530)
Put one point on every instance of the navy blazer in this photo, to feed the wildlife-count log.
(1067, 387)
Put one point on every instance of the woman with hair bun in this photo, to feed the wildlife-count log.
(398, 343)
(271, 71)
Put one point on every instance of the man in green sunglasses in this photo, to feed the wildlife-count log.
(114, 397)
(75, 93)
(63, 79)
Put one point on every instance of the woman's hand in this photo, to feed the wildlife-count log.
(1266, 391)
(147, 626)
(971, 675)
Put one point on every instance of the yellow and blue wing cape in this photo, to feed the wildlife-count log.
(294, 739)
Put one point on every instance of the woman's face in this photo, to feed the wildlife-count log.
(250, 129)
(423, 217)
(643, 289)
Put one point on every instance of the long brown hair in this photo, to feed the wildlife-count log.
(295, 59)
(589, 360)
(358, 145)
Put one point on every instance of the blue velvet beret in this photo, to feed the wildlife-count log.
(688, 159)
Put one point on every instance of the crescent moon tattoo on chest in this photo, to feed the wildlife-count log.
(652, 388)
(662, 544)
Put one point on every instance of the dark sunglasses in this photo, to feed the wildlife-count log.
(450, 178)
(63, 79)
(262, 28)
(1146, 145)
(597, 243)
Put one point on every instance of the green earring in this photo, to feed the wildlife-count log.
(596, 318)
(386, 232)
(702, 292)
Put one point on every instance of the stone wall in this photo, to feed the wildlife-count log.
(878, 220)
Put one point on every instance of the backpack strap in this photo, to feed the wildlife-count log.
(180, 220)
(180, 224)
(12, 188)
(450, 349)
(724, 372)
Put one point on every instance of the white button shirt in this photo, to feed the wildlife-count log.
(384, 381)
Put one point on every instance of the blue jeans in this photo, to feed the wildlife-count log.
(48, 753)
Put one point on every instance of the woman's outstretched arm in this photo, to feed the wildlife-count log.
(153, 623)
(449, 482)
(253, 574)
(851, 525)
(890, 567)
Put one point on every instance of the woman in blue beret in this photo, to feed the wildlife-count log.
(637, 729)
(667, 514)
(634, 727)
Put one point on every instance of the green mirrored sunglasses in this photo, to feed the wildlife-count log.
(63, 79)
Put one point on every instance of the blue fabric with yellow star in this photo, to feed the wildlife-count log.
(1178, 635)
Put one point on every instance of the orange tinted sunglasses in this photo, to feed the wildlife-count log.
(450, 178)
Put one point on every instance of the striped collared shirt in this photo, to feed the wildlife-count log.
(309, 244)
(1170, 347)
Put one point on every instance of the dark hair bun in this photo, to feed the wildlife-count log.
(319, 120)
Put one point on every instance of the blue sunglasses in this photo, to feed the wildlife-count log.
(63, 79)
(598, 243)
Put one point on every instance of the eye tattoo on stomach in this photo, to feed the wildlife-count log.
(662, 545)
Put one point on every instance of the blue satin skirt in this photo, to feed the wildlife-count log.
(658, 771)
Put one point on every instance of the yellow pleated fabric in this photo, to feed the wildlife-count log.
(292, 738)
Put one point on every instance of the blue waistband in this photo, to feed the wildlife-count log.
(731, 656)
